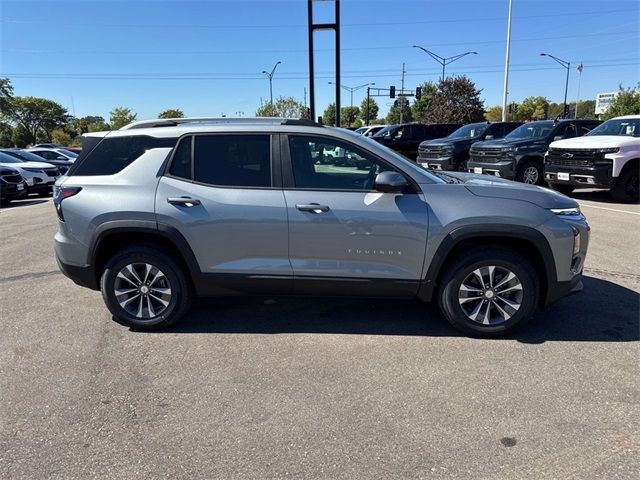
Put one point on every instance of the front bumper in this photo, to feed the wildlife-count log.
(503, 168)
(13, 191)
(439, 163)
(597, 176)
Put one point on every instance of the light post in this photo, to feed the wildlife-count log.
(442, 60)
(566, 65)
(270, 77)
(353, 89)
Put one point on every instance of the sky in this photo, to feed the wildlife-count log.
(206, 57)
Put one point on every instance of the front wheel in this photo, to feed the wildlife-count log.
(145, 289)
(626, 189)
(489, 292)
(530, 172)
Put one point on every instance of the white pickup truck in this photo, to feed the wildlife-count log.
(608, 157)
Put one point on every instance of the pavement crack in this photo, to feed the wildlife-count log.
(29, 276)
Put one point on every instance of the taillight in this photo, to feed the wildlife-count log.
(60, 194)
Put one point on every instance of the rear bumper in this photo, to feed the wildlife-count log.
(42, 187)
(596, 176)
(83, 276)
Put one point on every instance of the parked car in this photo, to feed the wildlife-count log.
(39, 176)
(607, 157)
(452, 152)
(76, 150)
(25, 155)
(12, 185)
(54, 154)
(520, 154)
(370, 130)
(405, 138)
(47, 145)
(230, 207)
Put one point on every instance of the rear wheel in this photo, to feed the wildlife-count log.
(145, 289)
(490, 292)
(530, 172)
(626, 188)
(564, 189)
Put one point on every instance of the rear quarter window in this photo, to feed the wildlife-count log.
(112, 155)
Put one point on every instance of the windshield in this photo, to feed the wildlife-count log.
(531, 130)
(470, 131)
(627, 127)
(387, 131)
(4, 158)
(22, 155)
(68, 153)
(361, 130)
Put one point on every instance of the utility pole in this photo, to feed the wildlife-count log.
(505, 91)
(400, 97)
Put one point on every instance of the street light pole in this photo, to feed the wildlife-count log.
(566, 65)
(505, 91)
(442, 60)
(352, 89)
(270, 77)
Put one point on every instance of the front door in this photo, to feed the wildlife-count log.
(340, 227)
(220, 195)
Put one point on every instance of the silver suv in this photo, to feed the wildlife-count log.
(164, 210)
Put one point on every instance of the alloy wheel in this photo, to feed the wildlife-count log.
(490, 295)
(531, 175)
(142, 290)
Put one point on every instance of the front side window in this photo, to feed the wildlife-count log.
(327, 164)
(233, 160)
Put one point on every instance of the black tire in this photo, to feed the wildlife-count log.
(626, 188)
(504, 260)
(560, 188)
(524, 169)
(461, 166)
(175, 278)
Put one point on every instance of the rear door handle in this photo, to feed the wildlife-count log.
(312, 207)
(183, 201)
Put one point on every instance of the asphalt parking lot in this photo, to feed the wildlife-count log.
(317, 388)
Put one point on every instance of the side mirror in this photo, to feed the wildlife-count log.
(489, 137)
(557, 137)
(61, 158)
(391, 182)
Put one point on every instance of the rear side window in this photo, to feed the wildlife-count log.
(181, 162)
(111, 155)
(233, 160)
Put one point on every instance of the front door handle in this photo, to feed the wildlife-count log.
(312, 207)
(183, 201)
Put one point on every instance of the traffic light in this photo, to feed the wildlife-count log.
(392, 91)
(566, 111)
(418, 93)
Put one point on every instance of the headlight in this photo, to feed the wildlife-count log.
(576, 240)
(608, 150)
(569, 212)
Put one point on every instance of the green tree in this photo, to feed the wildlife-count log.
(121, 116)
(21, 137)
(401, 104)
(38, 116)
(171, 113)
(329, 115)
(6, 94)
(348, 115)
(6, 135)
(61, 137)
(420, 107)
(283, 107)
(456, 100)
(92, 123)
(533, 108)
(493, 114)
(372, 110)
(627, 102)
(587, 109)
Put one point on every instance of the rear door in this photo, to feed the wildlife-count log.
(222, 193)
(341, 228)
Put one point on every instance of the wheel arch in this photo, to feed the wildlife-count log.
(524, 240)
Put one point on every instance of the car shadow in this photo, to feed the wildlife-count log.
(602, 312)
(600, 196)
(24, 203)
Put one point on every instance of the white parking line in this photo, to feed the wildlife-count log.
(605, 208)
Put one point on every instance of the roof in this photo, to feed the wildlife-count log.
(174, 122)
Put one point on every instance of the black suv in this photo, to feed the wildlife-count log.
(452, 152)
(520, 155)
(406, 137)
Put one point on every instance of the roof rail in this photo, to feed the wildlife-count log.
(174, 122)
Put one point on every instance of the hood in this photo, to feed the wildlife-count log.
(596, 141)
(8, 170)
(437, 142)
(503, 142)
(31, 165)
(495, 187)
